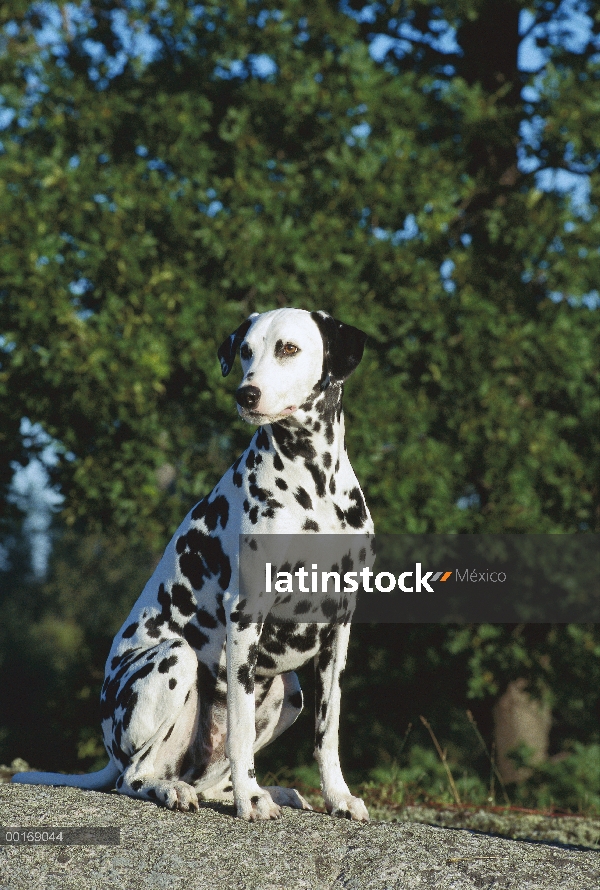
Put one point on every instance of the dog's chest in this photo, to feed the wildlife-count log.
(286, 647)
(281, 494)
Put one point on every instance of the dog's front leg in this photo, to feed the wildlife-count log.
(329, 667)
(252, 802)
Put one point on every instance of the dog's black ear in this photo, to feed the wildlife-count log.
(343, 346)
(228, 349)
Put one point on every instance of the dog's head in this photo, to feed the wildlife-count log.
(286, 356)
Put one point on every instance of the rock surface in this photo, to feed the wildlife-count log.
(302, 851)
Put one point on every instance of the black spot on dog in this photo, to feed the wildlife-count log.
(310, 526)
(355, 515)
(202, 556)
(332, 485)
(237, 476)
(326, 460)
(182, 599)
(325, 656)
(277, 462)
(281, 483)
(246, 506)
(253, 515)
(239, 617)
(152, 795)
(318, 477)
(128, 713)
(323, 710)
(145, 754)
(254, 800)
(293, 446)
(228, 788)
(221, 618)
(193, 568)
(302, 607)
(166, 663)
(273, 645)
(154, 624)
(262, 440)
(172, 683)
(195, 637)
(250, 460)
(119, 756)
(168, 735)
(213, 512)
(329, 607)
(245, 677)
(265, 661)
(251, 774)
(127, 696)
(261, 494)
(304, 642)
(119, 782)
(136, 784)
(303, 498)
(129, 631)
(205, 619)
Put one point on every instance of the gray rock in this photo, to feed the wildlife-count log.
(302, 851)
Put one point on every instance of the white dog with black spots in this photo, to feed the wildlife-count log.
(195, 685)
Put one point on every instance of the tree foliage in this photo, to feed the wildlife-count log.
(145, 213)
(167, 169)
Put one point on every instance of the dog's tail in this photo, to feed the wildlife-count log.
(103, 780)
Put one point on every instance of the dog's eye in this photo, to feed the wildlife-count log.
(289, 349)
(245, 351)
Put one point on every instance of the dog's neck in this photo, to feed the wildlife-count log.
(316, 429)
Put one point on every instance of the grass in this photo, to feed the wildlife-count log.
(558, 803)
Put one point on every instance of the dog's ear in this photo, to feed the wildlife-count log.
(228, 349)
(343, 347)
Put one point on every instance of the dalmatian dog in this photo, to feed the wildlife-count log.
(194, 686)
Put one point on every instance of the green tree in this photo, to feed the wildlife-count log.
(145, 214)
(148, 204)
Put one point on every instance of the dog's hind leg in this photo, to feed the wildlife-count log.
(151, 722)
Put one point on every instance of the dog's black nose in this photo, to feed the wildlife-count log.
(248, 396)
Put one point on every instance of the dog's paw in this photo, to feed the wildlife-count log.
(288, 797)
(178, 796)
(259, 807)
(350, 807)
